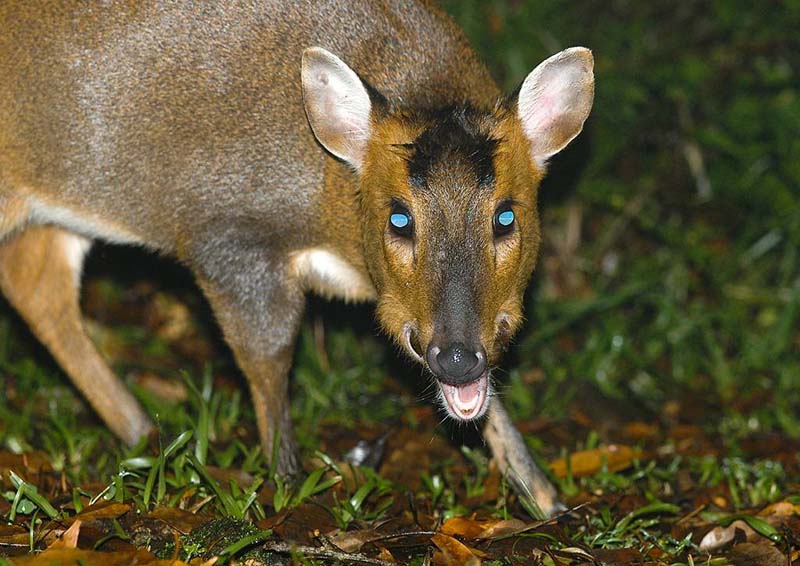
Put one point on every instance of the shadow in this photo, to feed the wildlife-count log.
(565, 169)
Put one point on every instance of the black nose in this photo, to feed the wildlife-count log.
(456, 364)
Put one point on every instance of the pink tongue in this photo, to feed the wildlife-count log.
(468, 392)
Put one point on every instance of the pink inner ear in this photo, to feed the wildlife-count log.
(337, 105)
(554, 92)
(353, 122)
(544, 113)
(554, 101)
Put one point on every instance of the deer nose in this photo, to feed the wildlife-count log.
(456, 364)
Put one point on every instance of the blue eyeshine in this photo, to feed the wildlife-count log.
(506, 218)
(399, 220)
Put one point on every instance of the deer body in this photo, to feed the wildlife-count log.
(191, 129)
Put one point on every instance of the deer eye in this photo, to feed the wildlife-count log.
(400, 221)
(503, 220)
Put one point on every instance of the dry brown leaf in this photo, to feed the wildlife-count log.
(575, 552)
(503, 528)
(14, 536)
(617, 556)
(779, 509)
(101, 510)
(464, 527)
(225, 475)
(421, 447)
(304, 523)
(73, 556)
(640, 430)
(69, 539)
(172, 318)
(385, 555)
(180, 520)
(483, 529)
(163, 388)
(273, 520)
(750, 554)
(615, 457)
(352, 541)
(452, 552)
(27, 463)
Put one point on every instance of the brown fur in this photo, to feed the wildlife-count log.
(181, 127)
(14, 212)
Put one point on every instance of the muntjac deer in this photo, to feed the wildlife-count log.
(355, 149)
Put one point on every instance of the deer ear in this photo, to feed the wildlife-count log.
(337, 105)
(555, 100)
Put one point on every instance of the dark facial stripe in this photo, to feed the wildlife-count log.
(454, 132)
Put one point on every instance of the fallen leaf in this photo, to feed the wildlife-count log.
(575, 552)
(421, 447)
(385, 555)
(614, 457)
(178, 519)
(101, 510)
(69, 539)
(452, 552)
(780, 509)
(14, 536)
(273, 521)
(352, 541)
(464, 527)
(483, 529)
(170, 317)
(28, 463)
(225, 475)
(639, 430)
(503, 528)
(73, 556)
(303, 524)
(750, 554)
(167, 389)
(616, 556)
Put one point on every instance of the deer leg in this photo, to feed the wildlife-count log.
(259, 309)
(40, 269)
(515, 462)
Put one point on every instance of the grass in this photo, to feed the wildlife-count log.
(668, 295)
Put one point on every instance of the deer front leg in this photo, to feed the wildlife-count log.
(259, 309)
(515, 462)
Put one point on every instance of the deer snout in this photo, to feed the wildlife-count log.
(456, 363)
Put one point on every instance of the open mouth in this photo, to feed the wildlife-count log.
(463, 402)
(468, 401)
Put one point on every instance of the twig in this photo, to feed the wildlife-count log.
(692, 153)
(694, 513)
(326, 553)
